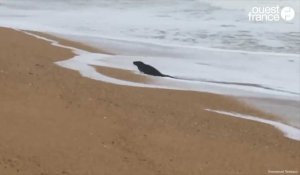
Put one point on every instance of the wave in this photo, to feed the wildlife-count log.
(194, 23)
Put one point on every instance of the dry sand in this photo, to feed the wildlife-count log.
(53, 121)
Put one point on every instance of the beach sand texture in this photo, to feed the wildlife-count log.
(53, 121)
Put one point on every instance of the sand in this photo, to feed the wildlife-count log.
(53, 121)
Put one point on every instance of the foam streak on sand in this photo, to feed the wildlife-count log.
(289, 131)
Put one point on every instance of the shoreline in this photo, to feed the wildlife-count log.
(285, 111)
(289, 116)
(55, 121)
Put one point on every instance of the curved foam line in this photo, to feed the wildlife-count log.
(76, 63)
(288, 131)
(89, 71)
(54, 43)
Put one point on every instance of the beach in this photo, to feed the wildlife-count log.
(54, 121)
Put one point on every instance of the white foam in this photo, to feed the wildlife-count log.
(288, 131)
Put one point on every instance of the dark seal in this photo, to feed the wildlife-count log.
(149, 70)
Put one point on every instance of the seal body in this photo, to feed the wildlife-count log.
(147, 69)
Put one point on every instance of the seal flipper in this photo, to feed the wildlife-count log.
(169, 76)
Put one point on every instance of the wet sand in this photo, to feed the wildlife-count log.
(286, 111)
(53, 121)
